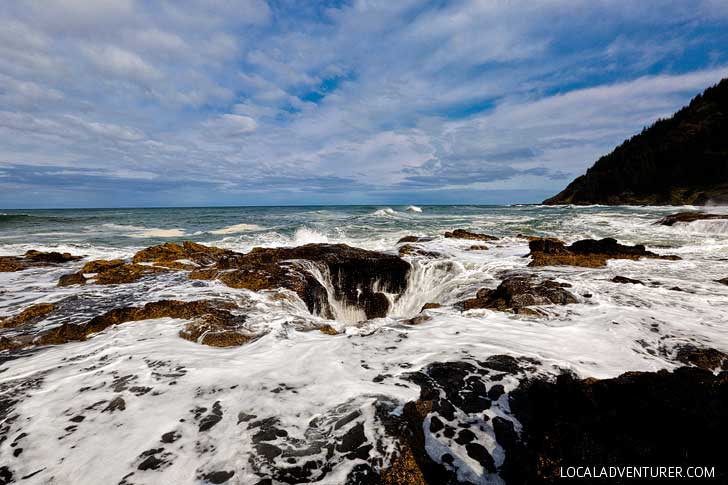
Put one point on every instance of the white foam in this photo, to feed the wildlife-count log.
(386, 212)
(414, 208)
(236, 228)
(306, 235)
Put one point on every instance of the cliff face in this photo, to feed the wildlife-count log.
(679, 160)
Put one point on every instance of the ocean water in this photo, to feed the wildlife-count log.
(298, 377)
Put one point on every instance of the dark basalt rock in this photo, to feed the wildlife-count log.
(638, 418)
(411, 250)
(463, 234)
(679, 160)
(414, 239)
(689, 217)
(170, 254)
(353, 273)
(34, 259)
(72, 279)
(220, 327)
(587, 252)
(517, 293)
(723, 281)
(31, 315)
(625, 280)
(705, 358)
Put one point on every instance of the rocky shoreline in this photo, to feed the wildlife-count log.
(510, 416)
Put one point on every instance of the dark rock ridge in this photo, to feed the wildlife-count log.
(689, 217)
(518, 293)
(679, 160)
(638, 419)
(34, 259)
(472, 236)
(359, 277)
(213, 324)
(586, 252)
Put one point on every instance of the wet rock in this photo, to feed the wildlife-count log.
(617, 421)
(72, 279)
(411, 250)
(101, 265)
(723, 281)
(518, 293)
(587, 253)
(414, 239)
(31, 315)
(539, 238)
(211, 419)
(705, 358)
(170, 437)
(219, 477)
(417, 320)
(354, 274)
(481, 455)
(477, 247)
(463, 234)
(691, 216)
(625, 280)
(328, 330)
(125, 273)
(173, 255)
(34, 259)
(116, 404)
(430, 306)
(211, 316)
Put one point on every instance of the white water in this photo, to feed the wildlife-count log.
(621, 327)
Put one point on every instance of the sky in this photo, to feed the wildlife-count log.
(139, 103)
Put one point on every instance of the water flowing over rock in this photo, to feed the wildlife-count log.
(685, 217)
(34, 259)
(587, 252)
(463, 234)
(518, 293)
(323, 275)
(30, 315)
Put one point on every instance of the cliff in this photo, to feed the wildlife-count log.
(679, 160)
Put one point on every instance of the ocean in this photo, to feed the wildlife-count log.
(305, 381)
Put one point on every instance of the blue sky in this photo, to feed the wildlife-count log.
(214, 102)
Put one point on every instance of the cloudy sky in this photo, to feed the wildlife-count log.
(214, 102)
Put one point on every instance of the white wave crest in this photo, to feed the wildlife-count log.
(236, 228)
(706, 226)
(386, 212)
(414, 208)
(306, 235)
(155, 232)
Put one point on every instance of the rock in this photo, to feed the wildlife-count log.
(679, 160)
(212, 318)
(477, 247)
(328, 330)
(624, 280)
(723, 281)
(34, 259)
(116, 404)
(219, 476)
(617, 421)
(587, 252)
(414, 239)
(691, 216)
(539, 238)
(410, 250)
(125, 273)
(517, 293)
(429, 306)
(72, 279)
(705, 358)
(354, 274)
(463, 234)
(171, 255)
(417, 320)
(31, 315)
(101, 265)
